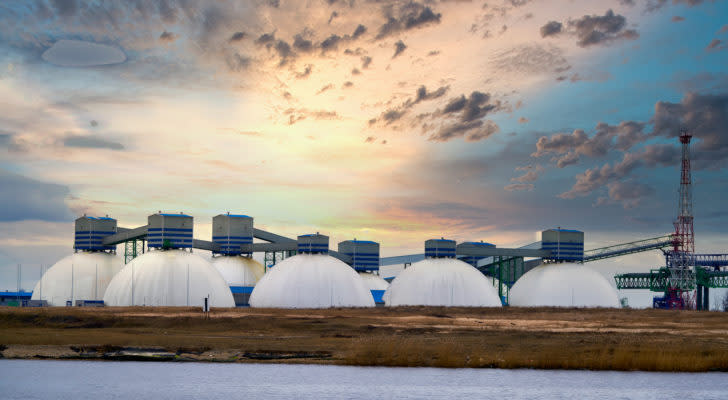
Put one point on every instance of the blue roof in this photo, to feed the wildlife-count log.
(90, 217)
(311, 234)
(363, 241)
(566, 230)
(238, 215)
(443, 240)
(175, 215)
(485, 244)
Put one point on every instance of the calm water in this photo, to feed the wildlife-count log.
(30, 379)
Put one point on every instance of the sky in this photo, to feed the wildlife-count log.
(390, 121)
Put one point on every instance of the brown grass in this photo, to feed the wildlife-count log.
(650, 340)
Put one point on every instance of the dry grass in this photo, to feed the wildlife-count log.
(651, 340)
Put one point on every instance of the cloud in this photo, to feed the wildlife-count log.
(237, 62)
(365, 62)
(23, 198)
(514, 187)
(706, 117)
(325, 88)
(594, 178)
(594, 29)
(715, 45)
(399, 47)
(551, 28)
(606, 137)
(76, 53)
(299, 114)
(91, 142)
(330, 43)
(305, 73)
(410, 15)
(677, 18)
(530, 59)
(168, 37)
(531, 173)
(360, 30)
(472, 131)
(65, 8)
(654, 5)
(422, 94)
(522, 120)
(370, 139)
(302, 44)
(237, 36)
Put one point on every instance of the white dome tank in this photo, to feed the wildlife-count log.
(239, 270)
(563, 285)
(160, 278)
(311, 281)
(373, 282)
(376, 285)
(91, 273)
(442, 282)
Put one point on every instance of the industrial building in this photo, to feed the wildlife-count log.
(160, 268)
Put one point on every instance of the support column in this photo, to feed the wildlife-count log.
(699, 302)
(706, 299)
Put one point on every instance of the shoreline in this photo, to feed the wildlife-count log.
(508, 338)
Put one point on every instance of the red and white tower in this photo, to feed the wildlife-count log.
(681, 259)
(684, 235)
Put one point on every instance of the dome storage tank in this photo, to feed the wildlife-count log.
(83, 276)
(311, 279)
(441, 280)
(169, 275)
(561, 282)
(234, 234)
(365, 260)
(563, 285)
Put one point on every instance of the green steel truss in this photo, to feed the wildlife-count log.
(132, 249)
(504, 271)
(658, 280)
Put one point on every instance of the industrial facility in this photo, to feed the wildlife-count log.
(159, 268)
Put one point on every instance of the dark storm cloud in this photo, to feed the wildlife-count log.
(706, 117)
(468, 109)
(471, 131)
(302, 44)
(568, 147)
(237, 36)
(168, 36)
(595, 29)
(551, 28)
(399, 48)
(330, 43)
(411, 15)
(23, 198)
(266, 39)
(595, 178)
(91, 142)
(360, 30)
(396, 113)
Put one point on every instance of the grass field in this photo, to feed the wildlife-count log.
(551, 338)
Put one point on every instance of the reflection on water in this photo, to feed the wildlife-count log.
(30, 379)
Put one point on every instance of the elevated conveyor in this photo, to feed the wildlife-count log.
(638, 246)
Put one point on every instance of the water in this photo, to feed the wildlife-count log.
(66, 380)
